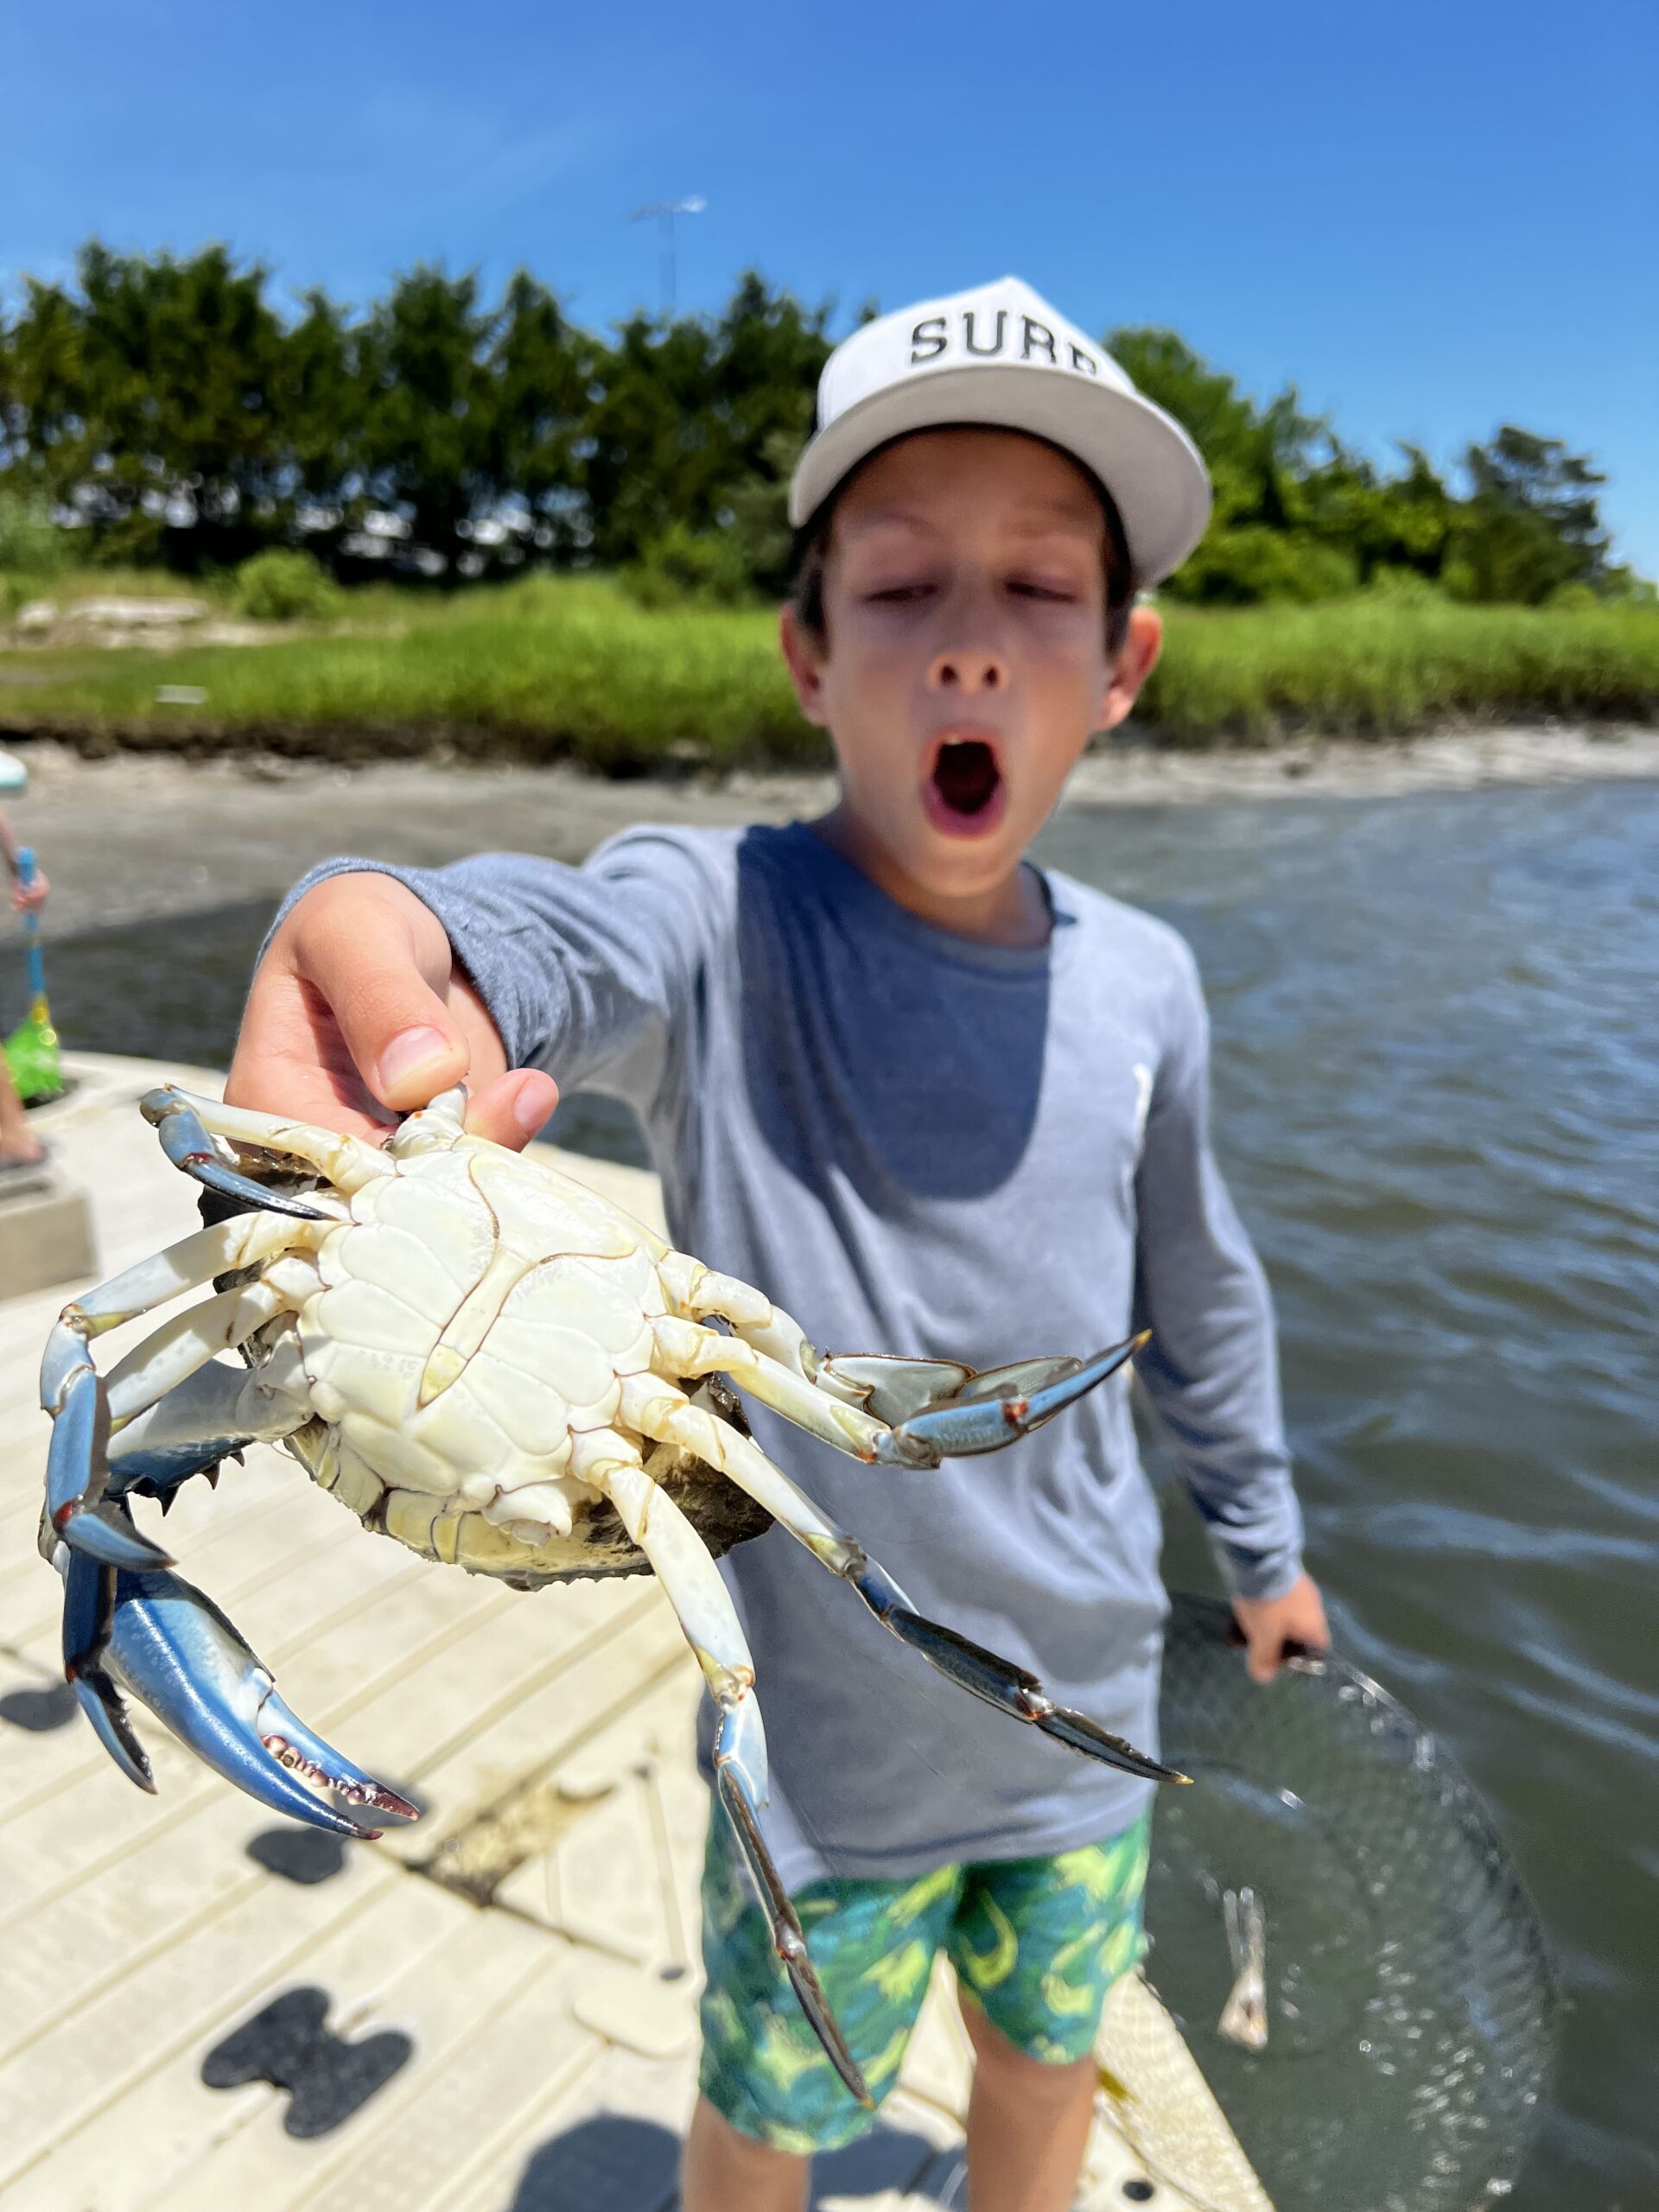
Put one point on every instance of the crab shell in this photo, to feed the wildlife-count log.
(464, 1353)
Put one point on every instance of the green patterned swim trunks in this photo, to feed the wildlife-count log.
(1036, 1943)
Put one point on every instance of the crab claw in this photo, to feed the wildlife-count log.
(187, 1145)
(78, 1471)
(160, 1639)
(993, 1408)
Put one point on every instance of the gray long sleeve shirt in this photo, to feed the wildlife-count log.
(917, 1143)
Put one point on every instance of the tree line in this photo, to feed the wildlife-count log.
(164, 409)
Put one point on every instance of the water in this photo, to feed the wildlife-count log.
(1437, 1098)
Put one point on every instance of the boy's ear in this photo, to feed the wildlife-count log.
(1134, 663)
(804, 656)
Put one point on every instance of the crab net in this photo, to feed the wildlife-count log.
(1410, 2001)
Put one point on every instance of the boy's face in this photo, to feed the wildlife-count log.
(964, 664)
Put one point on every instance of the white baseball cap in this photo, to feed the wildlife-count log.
(1001, 358)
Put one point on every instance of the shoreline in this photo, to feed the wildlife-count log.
(130, 836)
(1131, 769)
(1136, 773)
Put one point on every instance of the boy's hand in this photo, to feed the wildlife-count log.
(29, 898)
(1270, 1623)
(360, 1011)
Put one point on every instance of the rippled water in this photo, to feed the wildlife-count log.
(1437, 1089)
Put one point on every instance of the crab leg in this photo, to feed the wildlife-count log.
(194, 1260)
(187, 1127)
(78, 1475)
(900, 1412)
(952, 1411)
(905, 1385)
(74, 1393)
(908, 1385)
(657, 1409)
(188, 1340)
(694, 1588)
(213, 1413)
(686, 1347)
(78, 1463)
(160, 1639)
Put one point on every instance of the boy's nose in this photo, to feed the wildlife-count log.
(969, 672)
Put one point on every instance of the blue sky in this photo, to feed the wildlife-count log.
(1431, 218)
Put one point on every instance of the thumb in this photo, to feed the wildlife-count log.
(513, 1108)
(358, 974)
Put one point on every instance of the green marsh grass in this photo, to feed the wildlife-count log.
(572, 668)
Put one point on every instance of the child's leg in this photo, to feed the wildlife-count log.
(1027, 2123)
(724, 2171)
(17, 1140)
(1037, 1944)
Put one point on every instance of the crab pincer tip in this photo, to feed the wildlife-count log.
(298, 1749)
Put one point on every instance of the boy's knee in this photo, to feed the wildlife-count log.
(722, 2167)
(1002, 2065)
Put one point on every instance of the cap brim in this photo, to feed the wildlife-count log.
(1151, 468)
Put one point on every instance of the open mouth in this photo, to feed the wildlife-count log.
(965, 792)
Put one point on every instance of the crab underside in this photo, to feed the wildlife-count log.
(489, 1363)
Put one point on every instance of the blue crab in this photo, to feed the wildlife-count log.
(486, 1361)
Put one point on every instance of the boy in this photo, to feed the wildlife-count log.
(932, 1100)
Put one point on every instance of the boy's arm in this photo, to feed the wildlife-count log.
(379, 987)
(1212, 1367)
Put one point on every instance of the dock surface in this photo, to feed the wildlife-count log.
(493, 2010)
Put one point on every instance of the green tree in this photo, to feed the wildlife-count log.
(425, 445)
(143, 402)
(178, 415)
(320, 402)
(1297, 514)
(541, 370)
(1531, 525)
(1283, 526)
(696, 422)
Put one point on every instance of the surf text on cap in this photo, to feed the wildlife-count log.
(933, 336)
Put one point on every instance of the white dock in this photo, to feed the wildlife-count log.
(517, 1974)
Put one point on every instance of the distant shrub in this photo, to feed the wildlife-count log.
(1572, 598)
(1404, 588)
(1247, 563)
(285, 585)
(688, 568)
(31, 544)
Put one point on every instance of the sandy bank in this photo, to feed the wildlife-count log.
(139, 833)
